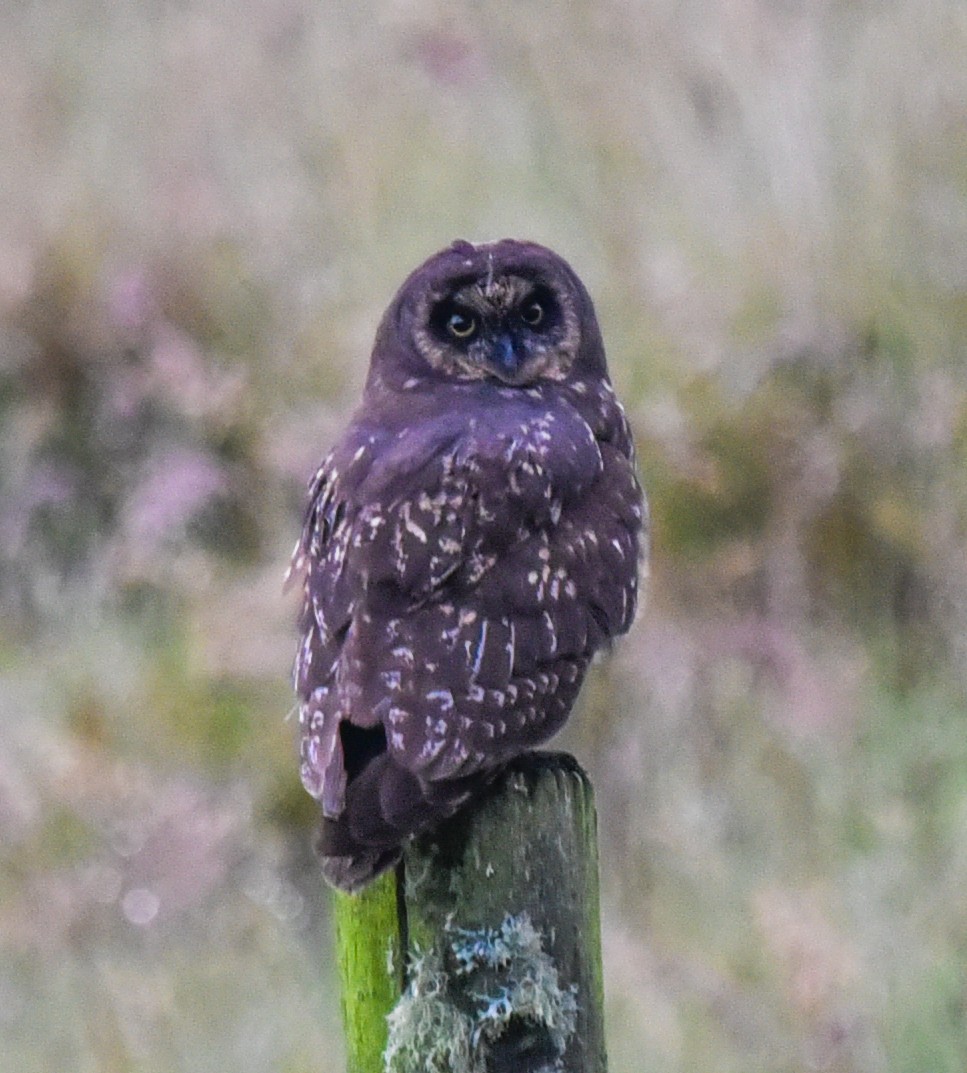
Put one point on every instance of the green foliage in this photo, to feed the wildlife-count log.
(927, 1029)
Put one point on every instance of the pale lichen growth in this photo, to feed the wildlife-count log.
(490, 989)
(426, 1031)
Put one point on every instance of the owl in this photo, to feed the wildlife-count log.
(471, 541)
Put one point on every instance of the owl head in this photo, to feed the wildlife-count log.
(513, 313)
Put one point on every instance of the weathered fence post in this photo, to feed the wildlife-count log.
(370, 954)
(482, 953)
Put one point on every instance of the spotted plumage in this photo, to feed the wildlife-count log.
(471, 541)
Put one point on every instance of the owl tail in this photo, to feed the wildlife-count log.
(385, 805)
(351, 871)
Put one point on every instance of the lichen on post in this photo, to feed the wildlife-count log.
(485, 998)
(499, 917)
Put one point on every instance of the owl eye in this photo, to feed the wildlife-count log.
(461, 325)
(532, 314)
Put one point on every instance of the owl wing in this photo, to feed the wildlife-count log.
(389, 520)
(385, 513)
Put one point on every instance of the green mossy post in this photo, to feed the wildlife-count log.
(482, 952)
(370, 956)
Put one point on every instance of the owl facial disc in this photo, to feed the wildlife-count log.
(503, 326)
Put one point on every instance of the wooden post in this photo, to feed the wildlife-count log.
(370, 954)
(497, 915)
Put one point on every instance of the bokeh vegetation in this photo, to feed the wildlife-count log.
(203, 209)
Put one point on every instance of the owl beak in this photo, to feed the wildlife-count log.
(505, 358)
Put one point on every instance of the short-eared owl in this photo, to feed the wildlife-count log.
(470, 542)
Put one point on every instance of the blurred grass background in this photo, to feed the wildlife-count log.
(204, 207)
